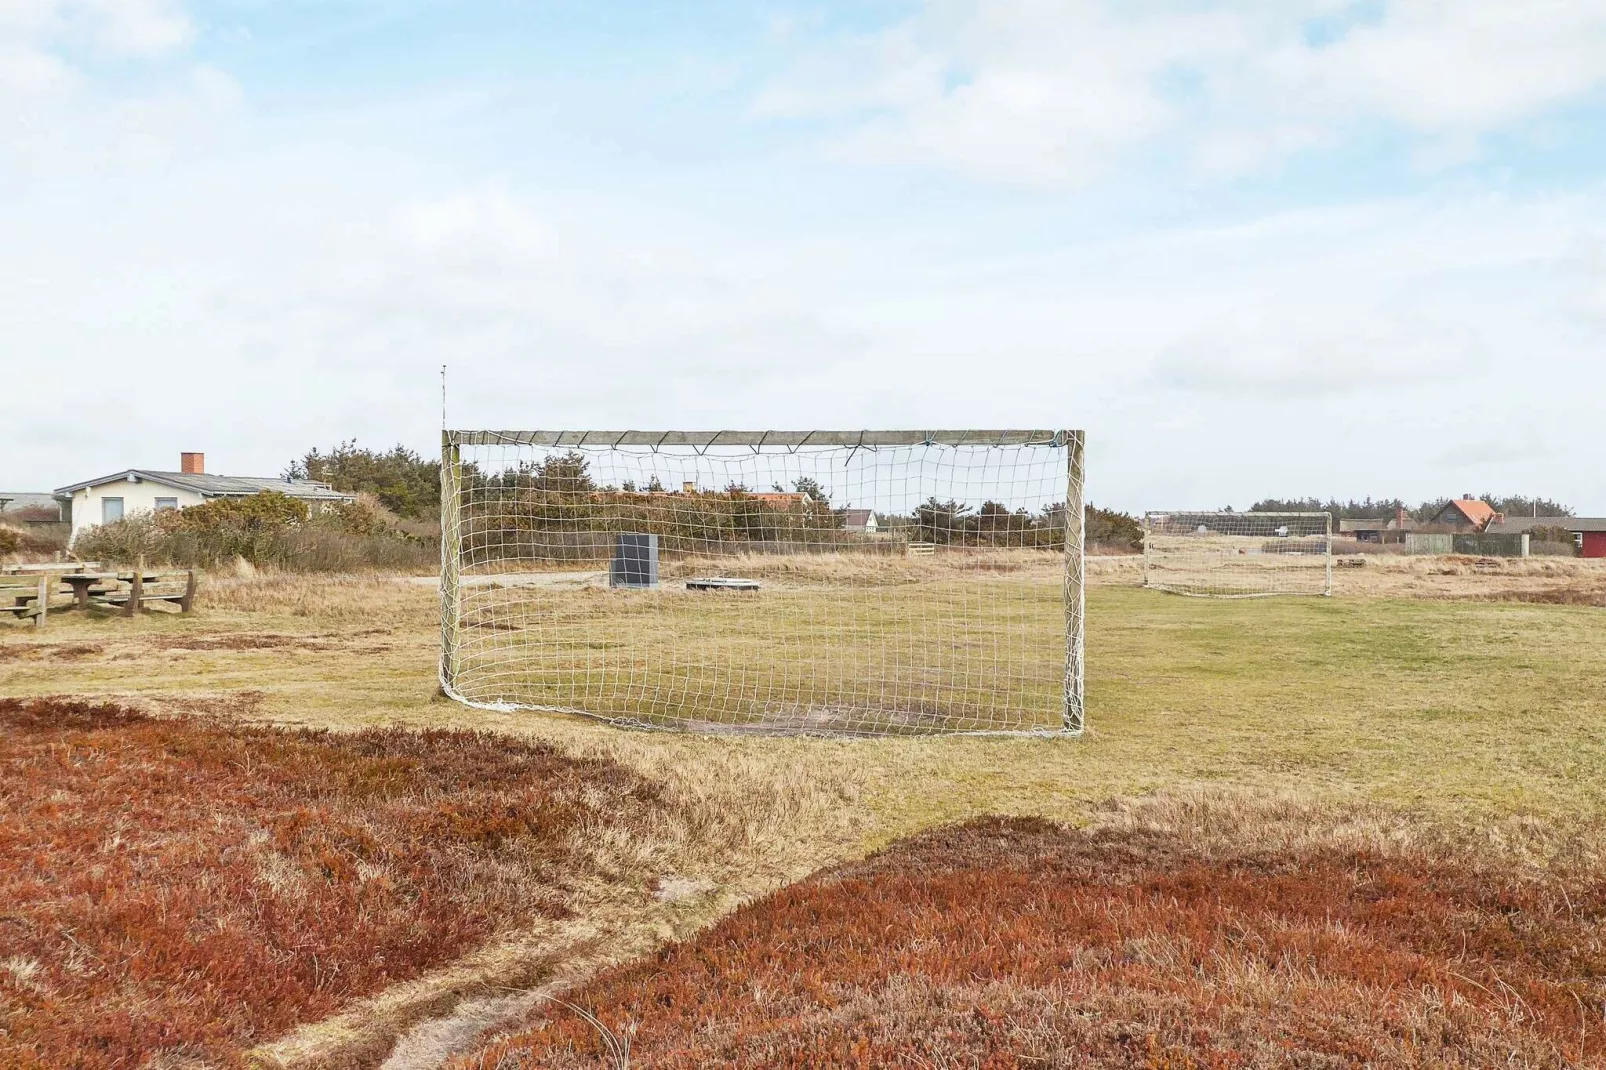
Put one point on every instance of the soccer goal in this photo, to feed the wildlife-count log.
(1238, 555)
(855, 583)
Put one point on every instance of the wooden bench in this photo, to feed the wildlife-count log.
(177, 588)
(35, 597)
(26, 597)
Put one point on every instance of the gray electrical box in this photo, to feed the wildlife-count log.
(635, 561)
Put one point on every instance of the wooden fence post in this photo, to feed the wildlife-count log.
(189, 593)
(136, 588)
(43, 605)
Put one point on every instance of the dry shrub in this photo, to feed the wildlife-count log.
(357, 598)
(1193, 934)
(1554, 596)
(1459, 575)
(268, 529)
(30, 543)
(174, 891)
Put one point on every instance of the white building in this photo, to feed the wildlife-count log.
(109, 498)
(859, 520)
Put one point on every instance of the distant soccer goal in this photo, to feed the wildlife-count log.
(1238, 555)
(858, 583)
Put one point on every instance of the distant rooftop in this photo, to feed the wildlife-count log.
(221, 486)
(1477, 512)
(1376, 523)
(12, 500)
(1518, 525)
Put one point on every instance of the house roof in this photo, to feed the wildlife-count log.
(856, 518)
(1377, 523)
(1566, 523)
(1478, 513)
(219, 486)
(11, 500)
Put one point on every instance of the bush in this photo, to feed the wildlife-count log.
(1112, 530)
(267, 529)
(29, 541)
(1551, 542)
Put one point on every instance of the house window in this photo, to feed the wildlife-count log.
(111, 510)
(165, 504)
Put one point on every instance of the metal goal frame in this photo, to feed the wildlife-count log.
(1313, 525)
(1073, 714)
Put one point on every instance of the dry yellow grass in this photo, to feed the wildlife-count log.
(1405, 692)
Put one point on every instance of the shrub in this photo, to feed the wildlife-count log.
(1012, 943)
(1551, 542)
(269, 529)
(267, 511)
(29, 541)
(177, 891)
(1108, 528)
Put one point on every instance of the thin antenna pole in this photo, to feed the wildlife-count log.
(443, 397)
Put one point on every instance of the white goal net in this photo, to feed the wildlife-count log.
(1238, 555)
(806, 582)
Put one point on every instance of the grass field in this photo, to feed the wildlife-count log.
(832, 642)
(1459, 695)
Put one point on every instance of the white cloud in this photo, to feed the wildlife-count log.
(1053, 93)
(133, 27)
(120, 27)
(304, 285)
(58, 118)
(310, 295)
(1322, 354)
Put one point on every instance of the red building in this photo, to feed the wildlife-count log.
(1592, 543)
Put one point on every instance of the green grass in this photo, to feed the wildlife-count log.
(1494, 705)
(953, 651)
(1468, 710)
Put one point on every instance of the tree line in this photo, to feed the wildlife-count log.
(1512, 505)
(409, 485)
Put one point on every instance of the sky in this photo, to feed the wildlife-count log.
(1268, 248)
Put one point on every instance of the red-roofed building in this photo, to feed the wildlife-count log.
(1466, 514)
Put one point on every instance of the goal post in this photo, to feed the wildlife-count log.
(1226, 554)
(809, 582)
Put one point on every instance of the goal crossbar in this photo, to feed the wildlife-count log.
(756, 438)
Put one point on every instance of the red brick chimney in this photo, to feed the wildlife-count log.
(192, 464)
(1399, 518)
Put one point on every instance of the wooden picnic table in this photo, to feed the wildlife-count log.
(130, 590)
(84, 584)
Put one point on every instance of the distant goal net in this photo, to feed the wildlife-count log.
(857, 583)
(1238, 555)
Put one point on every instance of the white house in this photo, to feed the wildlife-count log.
(859, 520)
(101, 501)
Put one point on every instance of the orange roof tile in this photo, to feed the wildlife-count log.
(1477, 512)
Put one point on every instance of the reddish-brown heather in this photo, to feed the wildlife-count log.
(1014, 943)
(175, 890)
